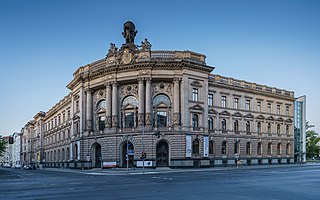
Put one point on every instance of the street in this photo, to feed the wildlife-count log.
(280, 182)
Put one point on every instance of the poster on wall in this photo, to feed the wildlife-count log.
(71, 151)
(205, 146)
(188, 146)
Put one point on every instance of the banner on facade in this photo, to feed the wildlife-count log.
(188, 146)
(78, 145)
(205, 146)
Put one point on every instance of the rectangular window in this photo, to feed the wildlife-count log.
(236, 103)
(258, 106)
(247, 104)
(287, 110)
(210, 99)
(195, 94)
(223, 101)
(129, 120)
(269, 107)
(69, 115)
(278, 109)
(162, 119)
(64, 117)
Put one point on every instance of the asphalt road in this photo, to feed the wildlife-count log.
(286, 182)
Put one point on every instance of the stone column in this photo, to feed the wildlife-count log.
(176, 102)
(148, 102)
(115, 104)
(108, 106)
(89, 110)
(141, 102)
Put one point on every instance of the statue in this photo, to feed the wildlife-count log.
(112, 50)
(129, 32)
(145, 46)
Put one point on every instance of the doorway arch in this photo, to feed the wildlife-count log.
(127, 145)
(96, 155)
(162, 154)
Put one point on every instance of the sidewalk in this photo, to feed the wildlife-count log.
(163, 170)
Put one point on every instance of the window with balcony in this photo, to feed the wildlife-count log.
(195, 94)
(224, 125)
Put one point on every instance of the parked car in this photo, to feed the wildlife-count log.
(27, 167)
(17, 166)
(6, 165)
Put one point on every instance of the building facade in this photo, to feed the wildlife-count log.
(300, 129)
(165, 108)
(16, 150)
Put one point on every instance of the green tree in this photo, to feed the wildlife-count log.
(2, 146)
(313, 140)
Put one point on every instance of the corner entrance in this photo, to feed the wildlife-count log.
(127, 149)
(162, 154)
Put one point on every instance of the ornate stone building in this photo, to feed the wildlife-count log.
(167, 106)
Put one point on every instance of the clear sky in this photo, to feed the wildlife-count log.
(42, 42)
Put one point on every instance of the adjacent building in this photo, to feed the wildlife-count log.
(160, 108)
(300, 129)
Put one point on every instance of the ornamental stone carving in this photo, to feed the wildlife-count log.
(98, 95)
(126, 90)
(162, 88)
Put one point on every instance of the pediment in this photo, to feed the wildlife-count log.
(237, 114)
(212, 111)
(270, 118)
(101, 110)
(196, 107)
(260, 117)
(288, 120)
(250, 116)
(129, 106)
(280, 119)
(225, 113)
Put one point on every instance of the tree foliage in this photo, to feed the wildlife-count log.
(2, 146)
(313, 140)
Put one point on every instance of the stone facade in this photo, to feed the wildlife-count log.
(166, 104)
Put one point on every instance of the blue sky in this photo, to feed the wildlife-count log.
(42, 42)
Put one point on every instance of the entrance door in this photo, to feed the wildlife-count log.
(127, 146)
(162, 154)
(97, 156)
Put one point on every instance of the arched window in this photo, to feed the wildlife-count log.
(195, 147)
(269, 128)
(248, 127)
(236, 126)
(210, 123)
(211, 147)
(102, 104)
(224, 148)
(259, 148)
(269, 148)
(224, 126)
(161, 99)
(288, 149)
(161, 104)
(259, 127)
(130, 100)
(130, 112)
(68, 153)
(248, 148)
(236, 148)
(195, 121)
(279, 148)
(75, 152)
